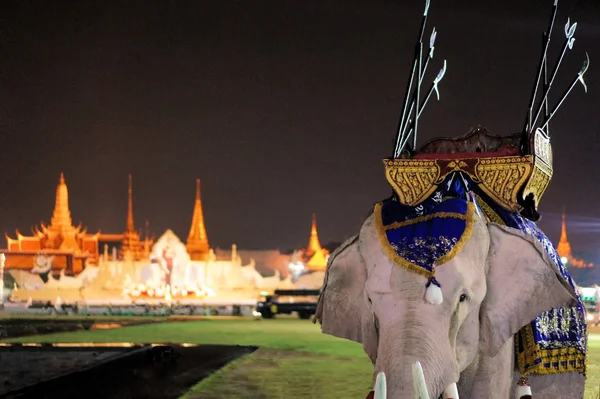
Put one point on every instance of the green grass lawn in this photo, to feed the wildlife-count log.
(592, 386)
(295, 360)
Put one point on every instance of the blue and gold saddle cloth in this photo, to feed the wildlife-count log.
(419, 238)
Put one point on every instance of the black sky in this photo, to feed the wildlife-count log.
(282, 108)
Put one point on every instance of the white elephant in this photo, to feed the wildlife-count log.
(498, 282)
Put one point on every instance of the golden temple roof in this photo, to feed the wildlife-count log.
(197, 241)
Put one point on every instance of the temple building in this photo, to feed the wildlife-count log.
(311, 260)
(197, 241)
(71, 246)
(314, 256)
(564, 248)
(314, 246)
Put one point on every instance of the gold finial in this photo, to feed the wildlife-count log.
(563, 232)
(130, 247)
(62, 178)
(130, 224)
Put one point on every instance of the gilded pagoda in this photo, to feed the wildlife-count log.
(564, 248)
(70, 245)
(197, 241)
(315, 255)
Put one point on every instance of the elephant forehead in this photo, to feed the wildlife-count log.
(389, 310)
(380, 275)
(378, 265)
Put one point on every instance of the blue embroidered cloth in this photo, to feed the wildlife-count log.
(418, 238)
(421, 241)
(556, 340)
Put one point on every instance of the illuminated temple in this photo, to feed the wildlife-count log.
(315, 256)
(117, 265)
(71, 246)
(564, 248)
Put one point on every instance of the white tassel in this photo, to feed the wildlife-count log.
(433, 293)
(523, 388)
(380, 386)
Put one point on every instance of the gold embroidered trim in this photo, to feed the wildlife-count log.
(425, 218)
(490, 214)
(587, 344)
(389, 250)
(551, 361)
(463, 239)
(412, 267)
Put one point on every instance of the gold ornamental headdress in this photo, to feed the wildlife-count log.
(514, 171)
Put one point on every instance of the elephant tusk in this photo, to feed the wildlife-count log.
(380, 386)
(419, 384)
(451, 391)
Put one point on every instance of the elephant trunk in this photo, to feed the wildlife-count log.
(402, 344)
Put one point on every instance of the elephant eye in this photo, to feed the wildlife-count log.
(463, 297)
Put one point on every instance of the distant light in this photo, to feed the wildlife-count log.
(564, 260)
(296, 269)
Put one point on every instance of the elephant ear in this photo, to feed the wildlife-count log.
(343, 309)
(522, 283)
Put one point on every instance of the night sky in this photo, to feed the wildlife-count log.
(282, 108)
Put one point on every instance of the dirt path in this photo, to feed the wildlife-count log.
(149, 373)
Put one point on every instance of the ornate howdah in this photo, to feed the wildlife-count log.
(506, 175)
(542, 167)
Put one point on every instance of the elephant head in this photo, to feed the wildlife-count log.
(499, 281)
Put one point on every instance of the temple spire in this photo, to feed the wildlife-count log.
(564, 247)
(314, 245)
(131, 238)
(130, 224)
(61, 217)
(197, 242)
